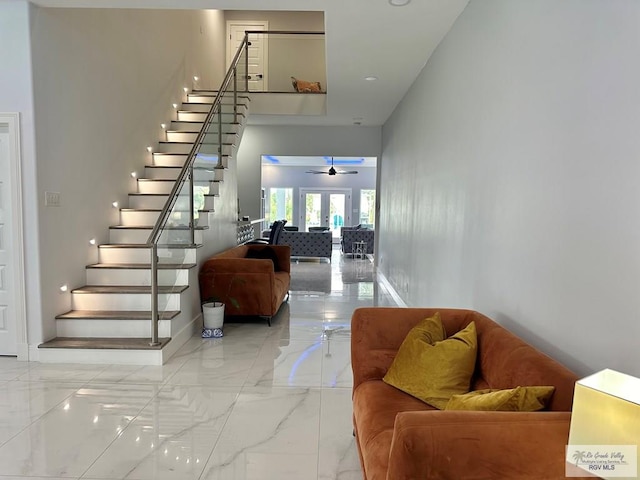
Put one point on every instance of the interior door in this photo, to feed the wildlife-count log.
(8, 324)
(325, 208)
(258, 51)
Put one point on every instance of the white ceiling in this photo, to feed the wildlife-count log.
(348, 163)
(363, 38)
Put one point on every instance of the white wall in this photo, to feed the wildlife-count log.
(511, 177)
(104, 81)
(261, 140)
(16, 96)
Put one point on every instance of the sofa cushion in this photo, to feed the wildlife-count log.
(375, 405)
(433, 373)
(519, 399)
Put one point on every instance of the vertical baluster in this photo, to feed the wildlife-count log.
(154, 295)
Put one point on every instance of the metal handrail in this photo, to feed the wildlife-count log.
(187, 169)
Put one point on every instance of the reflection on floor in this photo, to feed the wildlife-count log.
(259, 403)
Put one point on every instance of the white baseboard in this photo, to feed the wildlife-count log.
(384, 283)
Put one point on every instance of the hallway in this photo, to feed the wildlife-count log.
(260, 403)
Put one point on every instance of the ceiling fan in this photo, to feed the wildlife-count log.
(332, 171)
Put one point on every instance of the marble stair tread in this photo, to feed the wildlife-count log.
(206, 92)
(174, 181)
(150, 227)
(139, 194)
(142, 266)
(105, 343)
(115, 315)
(144, 245)
(143, 289)
(197, 166)
(171, 142)
(200, 122)
(155, 210)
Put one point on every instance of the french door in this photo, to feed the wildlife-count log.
(329, 208)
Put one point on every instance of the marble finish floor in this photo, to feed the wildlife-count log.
(260, 403)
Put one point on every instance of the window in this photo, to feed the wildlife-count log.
(368, 208)
(280, 204)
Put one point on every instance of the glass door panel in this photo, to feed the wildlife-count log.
(313, 210)
(337, 207)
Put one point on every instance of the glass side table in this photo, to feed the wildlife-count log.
(359, 249)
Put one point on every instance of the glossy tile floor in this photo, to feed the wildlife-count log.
(259, 403)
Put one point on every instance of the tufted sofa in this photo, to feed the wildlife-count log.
(401, 438)
(308, 244)
(352, 234)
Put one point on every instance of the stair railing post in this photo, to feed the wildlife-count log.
(154, 295)
(220, 134)
(192, 219)
(246, 61)
(235, 94)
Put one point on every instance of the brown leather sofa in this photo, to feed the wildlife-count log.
(251, 280)
(400, 438)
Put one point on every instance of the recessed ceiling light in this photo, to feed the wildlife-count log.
(399, 3)
(371, 78)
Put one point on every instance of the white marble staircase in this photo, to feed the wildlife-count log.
(110, 317)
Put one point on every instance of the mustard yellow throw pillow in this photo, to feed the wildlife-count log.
(519, 399)
(434, 373)
(430, 330)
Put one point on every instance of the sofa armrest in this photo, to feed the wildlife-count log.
(376, 335)
(457, 444)
(283, 252)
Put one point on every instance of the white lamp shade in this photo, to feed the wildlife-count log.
(606, 411)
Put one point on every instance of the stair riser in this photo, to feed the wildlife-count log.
(202, 172)
(78, 328)
(227, 98)
(205, 107)
(230, 128)
(189, 116)
(158, 201)
(141, 236)
(123, 301)
(211, 137)
(163, 160)
(143, 218)
(143, 255)
(155, 187)
(165, 187)
(140, 217)
(185, 148)
(147, 201)
(107, 276)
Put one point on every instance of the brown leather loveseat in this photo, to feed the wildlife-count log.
(251, 280)
(400, 437)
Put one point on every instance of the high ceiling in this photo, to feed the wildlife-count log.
(363, 38)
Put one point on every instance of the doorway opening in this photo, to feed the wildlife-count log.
(301, 190)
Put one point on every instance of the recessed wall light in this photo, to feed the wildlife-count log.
(371, 78)
(196, 78)
(399, 3)
(114, 204)
(163, 126)
(134, 174)
(185, 89)
(149, 149)
(175, 105)
(64, 288)
(92, 241)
